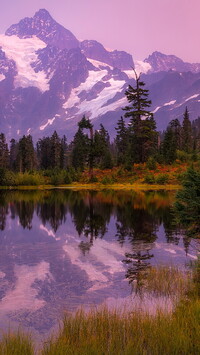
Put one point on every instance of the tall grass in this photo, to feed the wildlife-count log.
(105, 332)
(137, 332)
(168, 281)
(102, 331)
(16, 344)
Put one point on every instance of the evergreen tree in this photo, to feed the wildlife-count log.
(80, 150)
(175, 126)
(169, 146)
(187, 205)
(137, 97)
(4, 153)
(102, 152)
(196, 133)
(122, 142)
(172, 141)
(26, 155)
(44, 153)
(85, 123)
(63, 153)
(186, 133)
(14, 146)
(55, 150)
(142, 124)
(149, 139)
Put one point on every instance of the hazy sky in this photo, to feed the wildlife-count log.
(137, 26)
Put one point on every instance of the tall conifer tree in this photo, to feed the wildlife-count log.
(142, 124)
(4, 153)
(186, 133)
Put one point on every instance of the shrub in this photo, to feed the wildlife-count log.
(93, 179)
(162, 179)
(58, 178)
(67, 178)
(120, 172)
(151, 164)
(107, 180)
(27, 179)
(182, 156)
(180, 177)
(2, 176)
(149, 179)
(10, 178)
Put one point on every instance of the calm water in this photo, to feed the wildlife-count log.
(61, 249)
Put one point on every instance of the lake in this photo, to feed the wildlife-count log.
(62, 249)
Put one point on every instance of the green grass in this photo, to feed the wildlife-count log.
(16, 344)
(102, 331)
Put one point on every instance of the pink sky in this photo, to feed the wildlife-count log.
(136, 26)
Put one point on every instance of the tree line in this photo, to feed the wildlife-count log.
(136, 141)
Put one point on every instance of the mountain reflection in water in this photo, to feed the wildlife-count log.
(61, 249)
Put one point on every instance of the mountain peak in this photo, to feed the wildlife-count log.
(160, 55)
(165, 62)
(45, 28)
(43, 13)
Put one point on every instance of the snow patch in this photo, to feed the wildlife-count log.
(142, 67)
(170, 103)
(2, 77)
(92, 79)
(98, 64)
(192, 97)
(23, 52)
(96, 106)
(129, 73)
(49, 123)
(156, 109)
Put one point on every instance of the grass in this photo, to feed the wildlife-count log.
(167, 281)
(102, 331)
(16, 344)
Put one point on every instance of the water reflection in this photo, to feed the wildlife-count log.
(61, 249)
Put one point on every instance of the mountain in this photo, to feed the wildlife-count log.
(45, 28)
(162, 62)
(171, 93)
(49, 80)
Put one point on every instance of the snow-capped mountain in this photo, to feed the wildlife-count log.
(45, 28)
(49, 80)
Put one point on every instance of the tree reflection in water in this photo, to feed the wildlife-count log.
(138, 263)
(137, 217)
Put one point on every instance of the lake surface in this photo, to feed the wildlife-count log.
(63, 249)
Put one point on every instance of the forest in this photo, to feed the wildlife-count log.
(54, 160)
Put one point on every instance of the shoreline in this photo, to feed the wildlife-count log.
(97, 186)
